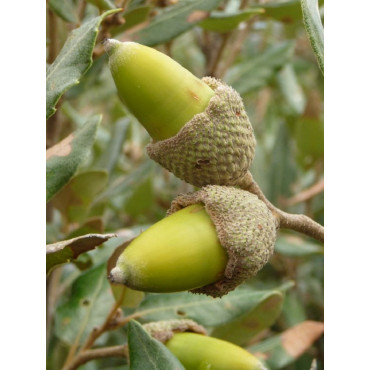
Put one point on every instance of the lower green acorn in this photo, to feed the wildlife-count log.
(212, 241)
(198, 352)
(178, 253)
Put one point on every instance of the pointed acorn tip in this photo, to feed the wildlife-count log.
(116, 276)
(109, 45)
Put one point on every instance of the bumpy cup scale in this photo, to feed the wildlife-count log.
(200, 128)
(188, 342)
(212, 241)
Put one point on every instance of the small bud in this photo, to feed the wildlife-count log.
(188, 342)
(212, 241)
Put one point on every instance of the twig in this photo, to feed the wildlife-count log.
(300, 223)
(52, 295)
(81, 11)
(125, 321)
(305, 194)
(52, 36)
(237, 46)
(216, 60)
(96, 332)
(107, 323)
(93, 354)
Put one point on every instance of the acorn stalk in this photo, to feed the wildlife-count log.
(170, 255)
(161, 94)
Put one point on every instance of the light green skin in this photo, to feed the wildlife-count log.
(161, 94)
(180, 252)
(196, 352)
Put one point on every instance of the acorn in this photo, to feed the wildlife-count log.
(187, 340)
(211, 241)
(200, 129)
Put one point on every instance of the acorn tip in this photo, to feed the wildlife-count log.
(116, 276)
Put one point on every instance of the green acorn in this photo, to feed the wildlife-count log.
(211, 241)
(200, 129)
(188, 342)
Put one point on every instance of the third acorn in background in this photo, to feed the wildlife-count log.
(200, 129)
(188, 341)
(211, 241)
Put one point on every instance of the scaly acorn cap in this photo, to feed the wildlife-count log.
(160, 93)
(188, 342)
(165, 329)
(245, 227)
(215, 147)
(178, 253)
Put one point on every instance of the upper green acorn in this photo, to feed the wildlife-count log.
(160, 93)
(200, 129)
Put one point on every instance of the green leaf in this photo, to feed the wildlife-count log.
(283, 11)
(111, 154)
(74, 199)
(63, 159)
(293, 246)
(309, 135)
(87, 307)
(281, 350)
(283, 170)
(202, 309)
(94, 225)
(132, 18)
(148, 353)
(65, 9)
(255, 72)
(314, 28)
(174, 21)
(72, 62)
(102, 4)
(293, 309)
(291, 89)
(124, 188)
(225, 22)
(249, 324)
(67, 250)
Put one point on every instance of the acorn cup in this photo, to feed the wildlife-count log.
(187, 340)
(211, 241)
(200, 129)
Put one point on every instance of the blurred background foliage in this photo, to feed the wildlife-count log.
(260, 48)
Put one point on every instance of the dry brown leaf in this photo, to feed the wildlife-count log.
(299, 338)
(61, 149)
(196, 16)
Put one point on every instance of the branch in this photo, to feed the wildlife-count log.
(93, 354)
(300, 223)
(305, 194)
(107, 323)
(95, 334)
